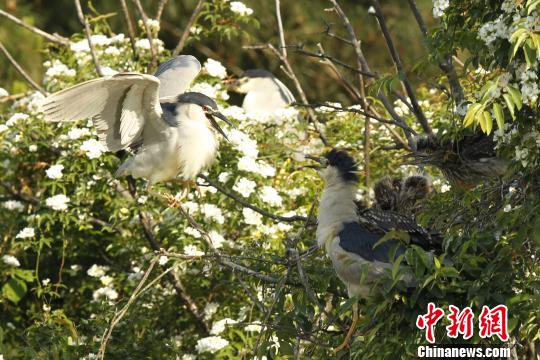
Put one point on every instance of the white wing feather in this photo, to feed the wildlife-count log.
(120, 106)
(176, 75)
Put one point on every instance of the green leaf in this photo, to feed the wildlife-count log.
(499, 115)
(516, 96)
(471, 114)
(510, 105)
(520, 40)
(532, 5)
(437, 263)
(488, 122)
(14, 290)
(530, 54)
(396, 266)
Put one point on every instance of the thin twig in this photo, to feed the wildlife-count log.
(149, 36)
(191, 22)
(119, 315)
(131, 28)
(245, 203)
(280, 29)
(160, 8)
(399, 66)
(13, 97)
(20, 70)
(51, 37)
(84, 22)
(445, 65)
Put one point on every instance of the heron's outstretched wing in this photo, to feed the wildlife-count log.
(176, 75)
(121, 106)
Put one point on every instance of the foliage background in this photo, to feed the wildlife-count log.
(83, 260)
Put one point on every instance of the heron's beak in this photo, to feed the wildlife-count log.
(214, 123)
(322, 163)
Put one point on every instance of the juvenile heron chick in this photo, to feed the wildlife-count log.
(171, 133)
(465, 162)
(349, 232)
(387, 192)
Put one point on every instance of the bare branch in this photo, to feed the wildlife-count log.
(131, 28)
(160, 8)
(20, 70)
(51, 37)
(84, 22)
(282, 44)
(185, 34)
(399, 66)
(149, 36)
(245, 203)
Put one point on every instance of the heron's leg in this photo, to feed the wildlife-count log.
(352, 328)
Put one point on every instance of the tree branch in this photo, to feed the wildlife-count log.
(245, 203)
(84, 22)
(20, 70)
(131, 29)
(399, 66)
(152, 66)
(185, 34)
(51, 37)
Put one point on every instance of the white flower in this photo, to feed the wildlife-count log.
(97, 270)
(108, 71)
(270, 196)
(243, 143)
(3, 92)
(15, 118)
(190, 206)
(75, 268)
(186, 357)
(59, 69)
(210, 309)
(32, 148)
(507, 208)
(142, 199)
(152, 24)
(3, 128)
(107, 292)
(11, 260)
(106, 280)
(93, 148)
(254, 327)
(46, 307)
(195, 30)
(206, 89)
(211, 344)
(371, 10)
(112, 50)
(211, 211)
(55, 171)
(240, 8)
(251, 217)
(192, 250)
(27, 232)
(58, 202)
(163, 260)
(215, 69)
(13, 205)
(224, 176)
(45, 282)
(219, 326)
(244, 187)
(216, 239)
(445, 188)
(193, 232)
(439, 6)
(76, 133)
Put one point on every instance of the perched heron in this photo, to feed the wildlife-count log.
(171, 132)
(348, 232)
(401, 196)
(464, 162)
(264, 92)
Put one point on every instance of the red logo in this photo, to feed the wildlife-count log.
(490, 322)
(460, 323)
(429, 320)
(494, 322)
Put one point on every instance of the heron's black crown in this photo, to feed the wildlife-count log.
(257, 73)
(344, 163)
(197, 99)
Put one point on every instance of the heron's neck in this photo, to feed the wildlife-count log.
(336, 207)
